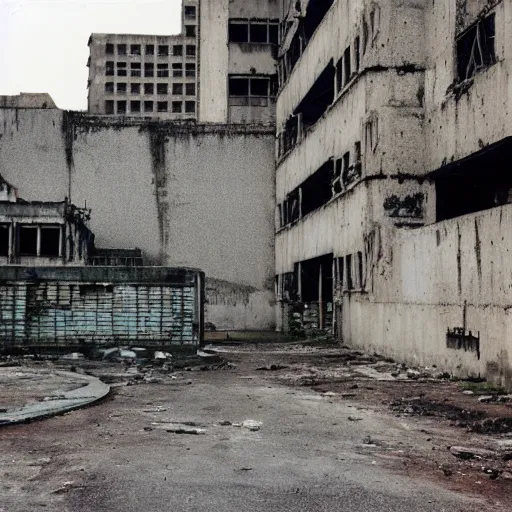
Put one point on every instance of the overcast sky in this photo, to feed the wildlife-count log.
(43, 43)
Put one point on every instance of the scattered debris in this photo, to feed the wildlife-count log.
(465, 453)
(252, 425)
(225, 423)
(352, 418)
(184, 429)
(73, 356)
(272, 368)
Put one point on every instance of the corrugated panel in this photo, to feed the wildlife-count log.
(60, 312)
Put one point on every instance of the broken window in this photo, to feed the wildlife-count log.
(336, 182)
(135, 69)
(190, 70)
(28, 240)
(190, 31)
(150, 49)
(258, 32)
(259, 87)
(109, 107)
(149, 88)
(121, 107)
(163, 50)
(360, 269)
(121, 69)
(273, 33)
(162, 106)
(476, 48)
(357, 57)
(162, 88)
(4, 239)
(109, 87)
(190, 12)
(149, 69)
(317, 189)
(238, 31)
(177, 50)
(135, 49)
(347, 71)
(350, 282)
(177, 69)
(191, 50)
(177, 89)
(238, 86)
(121, 87)
(190, 89)
(162, 70)
(315, 13)
(50, 241)
(177, 107)
(135, 88)
(148, 106)
(135, 106)
(121, 49)
(190, 107)
(109, 68)
(339, 75)
(109, 49)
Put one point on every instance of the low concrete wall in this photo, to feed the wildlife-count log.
(455, 274)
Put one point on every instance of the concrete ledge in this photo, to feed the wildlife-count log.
(77, 398)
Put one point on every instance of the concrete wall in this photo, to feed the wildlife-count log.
(200, 196)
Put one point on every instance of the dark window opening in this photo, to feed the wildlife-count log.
(190, 70)
(149, 70)
(347, 66)
(360, 269)
(259, 87)
(350, 282)
(109, 87)
(109, 49)
(177, 107)
(109, 68)
(357, 55)
(4, 240)
(121, 107)
(238, 32)
(190, 12)
(258, 32)
(150, 49)
(190, 31)
(340, 272)
(177, 69)
(190, 107)
(148, 106)
(163, 50)
(162, 106)
(476, 48)
(135, 49)
(290, 209)
(239, 86)
(149, 88)
(121, 49)
(135, 106)
(191, 50)
(162, 70)
(290, 134)
(316, 11)
(50, 241)
(121, 69)
(316, 190)
(162, 88)
(121, 88)
(177, 50)
(177, 89)
(316, 279)
(109, 107)
(273, 33)
(318, 99)
(478, 182)
(339, 75)
(135, 88)
(135, 69)
(190, 89)
(28, 241)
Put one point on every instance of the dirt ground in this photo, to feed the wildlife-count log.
(327, 413)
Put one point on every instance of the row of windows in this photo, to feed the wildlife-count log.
(253, 31)
(32, 240)
(161, 49)
(148, 107)
(177, 89)
(162, 70)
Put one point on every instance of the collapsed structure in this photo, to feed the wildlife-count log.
(379, 208)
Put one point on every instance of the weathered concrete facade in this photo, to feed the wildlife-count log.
(190, 195)
(383, 178)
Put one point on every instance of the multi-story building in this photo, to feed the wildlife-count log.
(146, 75)
(393, 215)
(229, 46)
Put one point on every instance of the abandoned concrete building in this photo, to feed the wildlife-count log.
(392, 190)
(161, 76)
